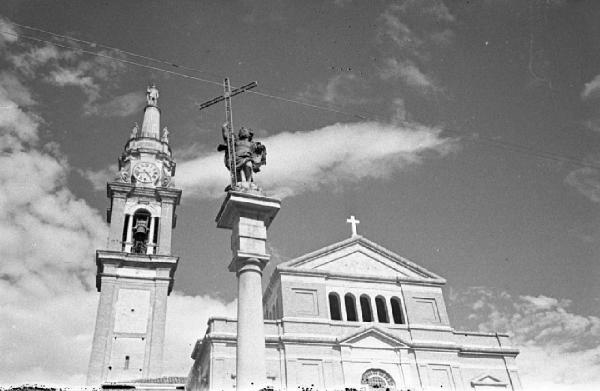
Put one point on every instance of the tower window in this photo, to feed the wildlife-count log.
(397, 314)
(141, 231)
(382, 315)
(350, 308)
(126, 366)
(365, 308)
(335, 311)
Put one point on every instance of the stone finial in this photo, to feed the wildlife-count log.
(134, 130)
(165, 135)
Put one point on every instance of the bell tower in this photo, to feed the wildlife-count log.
(135, 273)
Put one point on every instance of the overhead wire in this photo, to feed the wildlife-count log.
(480, 139)
(169, 63)
(129, 53)
(109, 57)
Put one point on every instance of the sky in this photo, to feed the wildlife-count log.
(464, 135)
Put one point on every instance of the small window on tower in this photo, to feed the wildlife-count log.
(126, 366)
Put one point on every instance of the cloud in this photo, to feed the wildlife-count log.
(400, 114)
(19, 127)
(64, 67)
(187, 317)
(411, 31)
(328, 157)
(120, 106)
(560, 349)
(591, 88)
(395, 29)
(342, 89)
(48, 238)
(586, 180)
(99, 178)
(435, 9)
(408, 72)
(27, 62)
(47, 241)
(8, 33)
(414, 26)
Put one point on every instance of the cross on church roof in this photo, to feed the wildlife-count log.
(352, 220)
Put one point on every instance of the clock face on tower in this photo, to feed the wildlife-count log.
(146, 172)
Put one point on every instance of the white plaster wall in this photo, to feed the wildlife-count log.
(131, 311)
(121, 347)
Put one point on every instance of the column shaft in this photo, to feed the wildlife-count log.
(250, 363)
(129, 239)
(150, 247)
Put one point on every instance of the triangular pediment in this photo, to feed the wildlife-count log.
(487, 380)
(360, 257)
(372, 338)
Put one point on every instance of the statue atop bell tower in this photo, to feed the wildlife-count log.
(135, 274)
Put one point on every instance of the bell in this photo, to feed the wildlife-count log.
(140, 231)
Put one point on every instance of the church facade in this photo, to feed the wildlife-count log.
(356, 315)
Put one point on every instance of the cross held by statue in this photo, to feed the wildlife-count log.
(227, 95)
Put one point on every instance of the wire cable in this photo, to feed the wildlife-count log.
(111, 57)
(481, 139)
(129, 53)
(165, 62)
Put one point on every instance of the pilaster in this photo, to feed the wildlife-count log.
(169, 199)
(117, 192)
(101, 333)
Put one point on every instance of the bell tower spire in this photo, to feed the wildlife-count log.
(151, 123)
(135, 273)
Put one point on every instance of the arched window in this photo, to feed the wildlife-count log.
(365, 308)
(382, 315)
(397, 314)
(335, 312)
(350, 308)
(377, 379)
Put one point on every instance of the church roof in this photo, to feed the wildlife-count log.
(359, 258)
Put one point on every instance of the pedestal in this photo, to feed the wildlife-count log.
(249, 215)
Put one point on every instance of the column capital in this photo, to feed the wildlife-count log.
(238, 203)
(241, 263)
